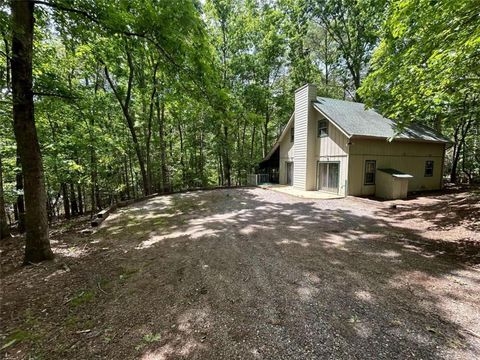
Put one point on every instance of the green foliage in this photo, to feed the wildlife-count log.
(426, 69)
(199, 91)
(350, 29)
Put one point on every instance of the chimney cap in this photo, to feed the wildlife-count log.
(306, 85)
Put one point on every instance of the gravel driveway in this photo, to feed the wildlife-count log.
(246, 274)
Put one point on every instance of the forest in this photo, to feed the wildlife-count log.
(109, 100)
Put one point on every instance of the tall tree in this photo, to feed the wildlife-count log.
(426, 69)
(37, 246)
(125, 103)
(353, 25)
(4, 228)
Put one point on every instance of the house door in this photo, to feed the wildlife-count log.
(289, 173)
(328, 176)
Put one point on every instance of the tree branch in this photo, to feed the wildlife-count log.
(98, 21)
(110, 82)
(69, 9)
(62, 96)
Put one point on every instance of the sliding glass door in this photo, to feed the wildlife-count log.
(328, 176)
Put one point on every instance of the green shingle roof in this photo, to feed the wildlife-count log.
(355, 120)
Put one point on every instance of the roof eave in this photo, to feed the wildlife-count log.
(440, 141)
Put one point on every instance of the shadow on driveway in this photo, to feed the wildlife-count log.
(246, 274)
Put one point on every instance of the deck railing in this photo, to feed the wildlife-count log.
(259, 179)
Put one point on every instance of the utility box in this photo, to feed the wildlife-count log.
(391, 184)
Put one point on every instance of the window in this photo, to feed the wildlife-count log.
(370, 167)
(292, 134)
(429, 168)
(322, 128)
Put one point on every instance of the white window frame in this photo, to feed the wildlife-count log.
(322, 131)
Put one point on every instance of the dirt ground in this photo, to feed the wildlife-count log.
(253, 274)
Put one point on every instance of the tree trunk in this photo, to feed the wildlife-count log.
(15, 212)
(182, 158)
(163, 150)
(220, 170)
(37, 246)
(125, 176)
(265, 133)
(20, 197)
(252, 144)
(4, 227)
(125, 105)
(93, 176)
(453, 172)
(73, 200)
(326, 62)
(132, 176)
(226, 158)
(141, 160)
(149, 128)
(98, 198)
(202, 160)
(460, 135)
(456, 155)
(80, 199)
(49, 206)
(93, 154)
(66, 201)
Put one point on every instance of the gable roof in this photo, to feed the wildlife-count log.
(354, 120)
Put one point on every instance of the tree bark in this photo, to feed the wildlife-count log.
(20, 198)
(98, 198)
(37, 246)
(125, 105)
(66, 201)
(220, 170)
(252, 144)
(226, 158)
(182, 158)
(149, 128)
(460, 134)
(163, 150)
(4, 227)
(126, 177)
(202, 160)
(73, 200)
(93, 154)
(265, 133)
(132, 176)
(80, 199)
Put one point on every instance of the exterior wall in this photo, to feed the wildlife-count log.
(406, 156)
(331, 148)
(308, 149)
(303, 174)
(287, 150)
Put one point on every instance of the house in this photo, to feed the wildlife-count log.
(340, 147)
